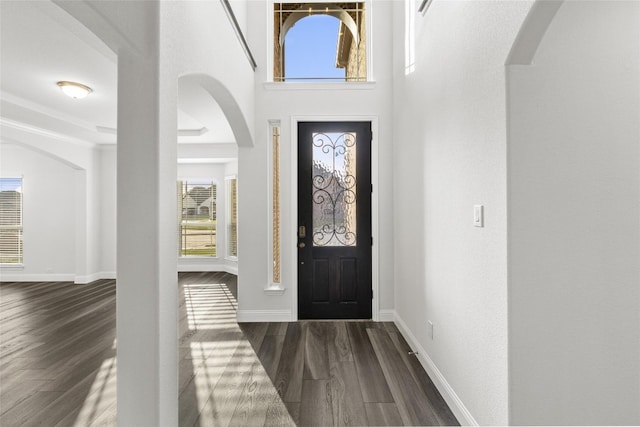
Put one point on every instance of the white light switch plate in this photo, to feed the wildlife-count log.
(478, 216)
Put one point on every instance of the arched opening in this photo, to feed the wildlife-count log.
(142, 198)
(207, 165)
(573, 209)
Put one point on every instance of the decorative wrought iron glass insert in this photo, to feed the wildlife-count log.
(334, 189)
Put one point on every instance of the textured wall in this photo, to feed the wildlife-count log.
(450, 154)
(574, 209)
(49, 213)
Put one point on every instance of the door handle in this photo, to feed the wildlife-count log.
(301, 245)
(302, 232)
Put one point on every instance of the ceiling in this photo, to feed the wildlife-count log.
(40, 44)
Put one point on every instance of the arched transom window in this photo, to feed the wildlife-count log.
(319, 42)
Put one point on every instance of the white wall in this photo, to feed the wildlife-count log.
(107, 203)
(275, 101)
(93, 190)
(574, 230)
(49, 214)
(450, 154)
(108, 206)
(85, 159)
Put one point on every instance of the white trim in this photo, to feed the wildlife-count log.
(324, 86)
(230, 269)
(227, 216)
(12, 267)
(263, 316)
(41, 109)
(291, 248)
(386, 315)
(225, 266)
(37, 277)
(273, 124)
(455, 403)
(375, 223)
(205, 160)
(89, 278)
(274, 290)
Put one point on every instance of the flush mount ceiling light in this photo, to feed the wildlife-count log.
(74, 90)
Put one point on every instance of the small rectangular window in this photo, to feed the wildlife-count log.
(11, 221)
(197, 218)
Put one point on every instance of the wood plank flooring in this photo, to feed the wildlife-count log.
(57, 354)
(58, 367)
(347, 373)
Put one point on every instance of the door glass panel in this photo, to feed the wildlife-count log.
(334, 189)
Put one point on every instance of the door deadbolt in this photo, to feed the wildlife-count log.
(302, 232)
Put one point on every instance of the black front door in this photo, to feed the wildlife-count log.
(334, 220)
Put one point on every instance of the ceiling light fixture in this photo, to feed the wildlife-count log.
(74, 90)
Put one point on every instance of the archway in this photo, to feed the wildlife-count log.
(573, 207)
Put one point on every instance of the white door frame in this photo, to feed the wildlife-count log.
(292, 247)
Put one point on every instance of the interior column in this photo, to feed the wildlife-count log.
(147, 239)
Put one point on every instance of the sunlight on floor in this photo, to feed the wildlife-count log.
(222, 379)
(209, 306)
(229, 381)
(99, 406)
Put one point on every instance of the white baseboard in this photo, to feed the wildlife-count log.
(47, 277)
(199, 265)
(220, 268)
(386, 315)
(230, 269)
(455, 403)
(263, 316)
(83, 280)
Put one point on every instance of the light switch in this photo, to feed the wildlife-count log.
(478, 216)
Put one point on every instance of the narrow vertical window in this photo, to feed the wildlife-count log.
(275, 181)
(10, 220)
(197, 218)
(232, 217)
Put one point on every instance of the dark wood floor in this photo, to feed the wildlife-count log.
(57, 363)
(338, 373)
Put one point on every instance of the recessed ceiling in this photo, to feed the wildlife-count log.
(40, 44)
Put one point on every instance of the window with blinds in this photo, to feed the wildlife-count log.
(197, 218)
(10, 220)
(232, 217)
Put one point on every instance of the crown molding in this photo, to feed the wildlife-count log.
(25, 127)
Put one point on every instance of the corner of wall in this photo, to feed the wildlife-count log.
(446, 390)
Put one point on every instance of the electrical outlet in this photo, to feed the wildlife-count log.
(430, 329)
(478, 216)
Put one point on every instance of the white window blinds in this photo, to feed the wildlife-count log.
(10, 220)
(197, 218)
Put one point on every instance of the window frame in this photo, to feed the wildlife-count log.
(269, 40)
(181, 221)
(229, 217)
(20, 227)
